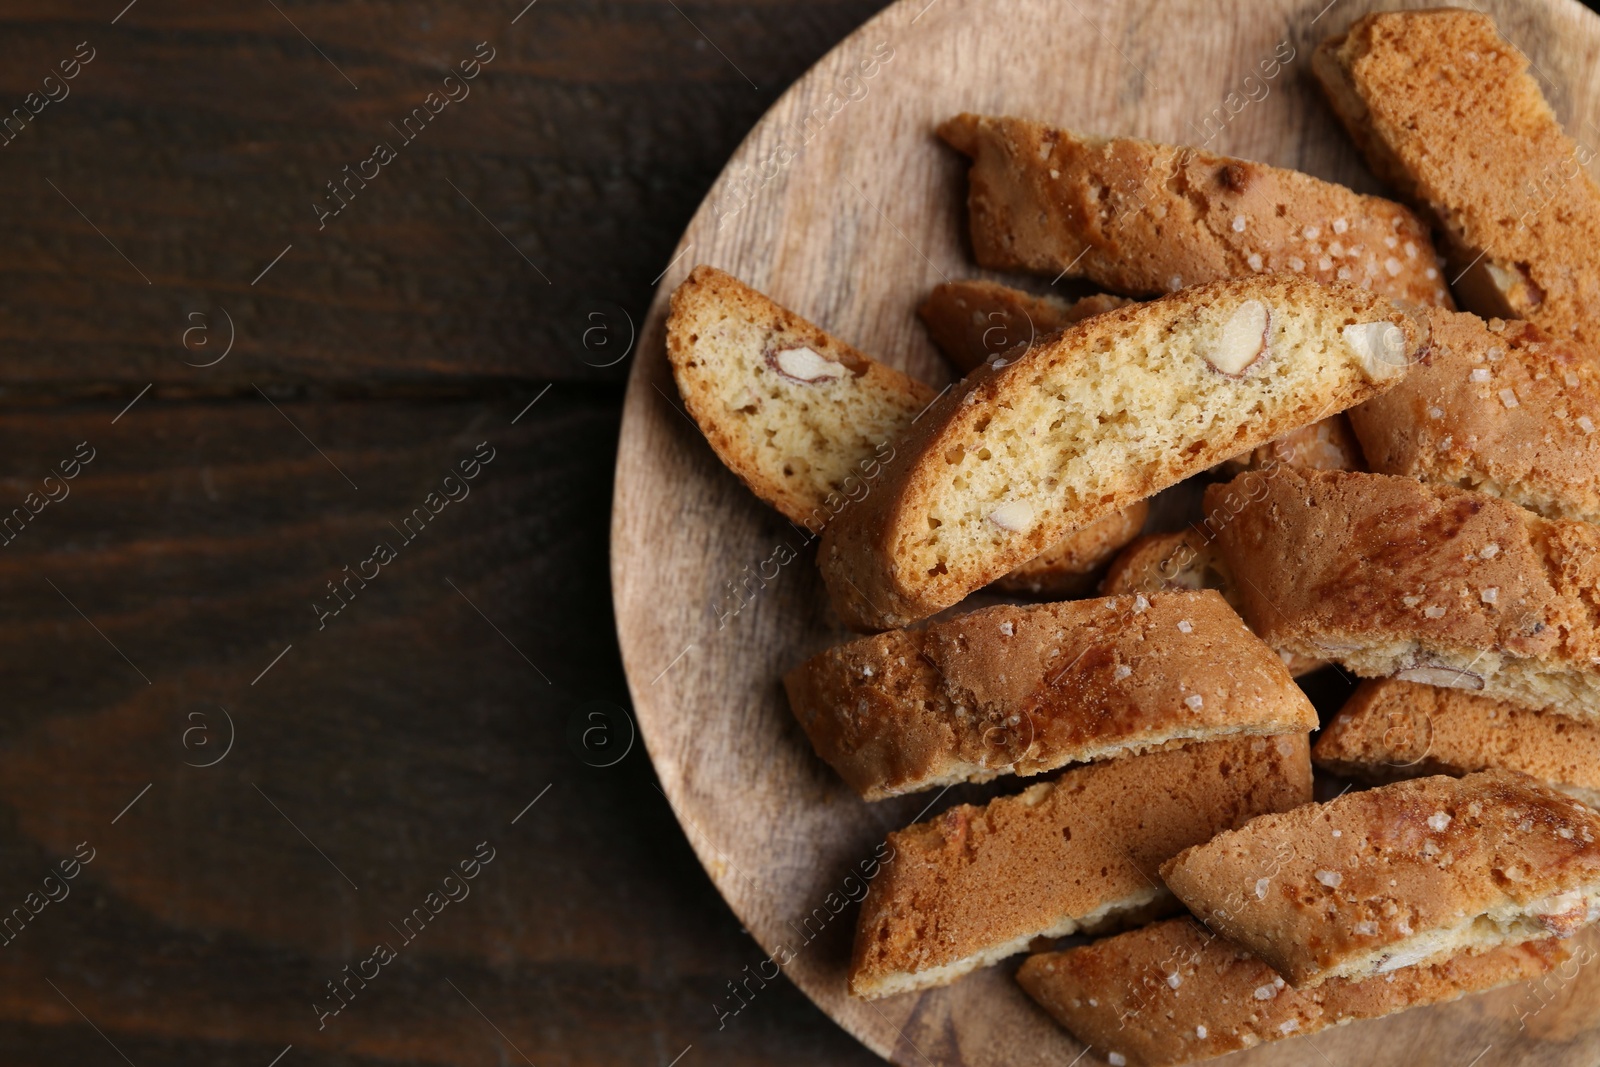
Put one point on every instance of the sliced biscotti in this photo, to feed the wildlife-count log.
(1430, 584)
(1114, 409)
(1027, 689)
(1328, 445)
(801, 417)
(1142, 218)
(972, 322)
(1390, 730)
(1502, 407)
(1445, 110)
(977, 884)
(807, 422)
(1399, 875)
(1173, 992)
(1186, 559)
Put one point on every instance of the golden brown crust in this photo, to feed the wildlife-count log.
(1173, 992)
(1501, 407)
(1024, 690)
(1506, 186)
(971, 322)
(1390, 730)
(875, 558)
(1073, 565)
(1384, 575)
(977, 881)
(722, 338)
(1398, 875)
(1142, 218)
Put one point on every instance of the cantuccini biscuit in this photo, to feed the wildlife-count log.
(1142, 218)
(1497, 406)
(1114, 409)
(1173, 992)
(977, 884)
(1186, 559)
(972, 322)
(1399, 875)
(807, 422)
(1024, 690)
(1389, 730)
(1427, 583)
(1445, 111)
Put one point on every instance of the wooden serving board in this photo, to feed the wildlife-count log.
(842, 205)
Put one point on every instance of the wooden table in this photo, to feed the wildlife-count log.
(275, 743)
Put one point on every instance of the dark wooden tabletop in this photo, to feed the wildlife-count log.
(315, 320)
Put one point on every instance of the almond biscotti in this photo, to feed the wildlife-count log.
(972, 322)
(979, 883)
(800, 416)
(1142, 218)
(1172, 993)
(1403, 874)
(1501, 407)
(807, 422)
(1186, 559)
(1389, 730)
(1114, 409)
(1027, 689)
(1445, 110)
(1426, 583)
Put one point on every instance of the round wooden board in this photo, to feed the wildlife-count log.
(842, 205)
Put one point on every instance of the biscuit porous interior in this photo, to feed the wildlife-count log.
(811, 437)
(1130, 416)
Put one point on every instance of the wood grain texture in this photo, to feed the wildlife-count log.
(852, 232)
(409, 729)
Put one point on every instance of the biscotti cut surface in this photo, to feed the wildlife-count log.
(1073, 564)
(1172, 993)
(1024, 690)
(801, 417)
(977, 884)
(1430, 584)
(1501, 407)
(1399, 875)
(1445, 110)
(1111, 411)
(1389, 730)
(1142, 218)
(972, 322)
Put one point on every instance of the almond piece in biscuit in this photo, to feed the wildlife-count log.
(974, 322)
(1403, 874)
(1024, 690)
(1173, 992)
(1390, 730)
(1142, 218)
(1113, 410)
(1445, 110)
(1501, 407)
(979, 883)
(807, 422)
(1426, 583)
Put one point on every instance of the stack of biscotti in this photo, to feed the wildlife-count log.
(1079, 853)
(807, 422)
